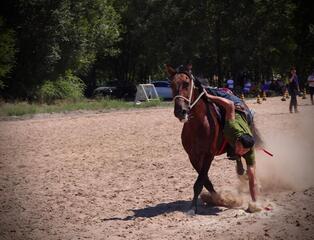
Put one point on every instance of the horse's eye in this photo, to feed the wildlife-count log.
(185, 85)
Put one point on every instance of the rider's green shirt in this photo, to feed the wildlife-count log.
(233, 130)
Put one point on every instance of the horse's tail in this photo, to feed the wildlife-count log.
(257, 136)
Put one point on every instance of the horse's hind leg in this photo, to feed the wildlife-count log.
(207, 183)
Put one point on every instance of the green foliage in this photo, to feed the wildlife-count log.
(70, 86)
(304, 38)
(57, 35)
(7, 52)
(217, 36)
(48, 92)
(102, 40)
(17, 109)
(65, 87)
(24, 108)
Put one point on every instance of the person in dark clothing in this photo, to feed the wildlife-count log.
(294, 89)
(310, 81)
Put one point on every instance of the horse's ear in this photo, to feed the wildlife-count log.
(170, 70)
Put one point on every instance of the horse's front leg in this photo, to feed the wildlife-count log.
(198, 186)
(207, 183)
(201, 180)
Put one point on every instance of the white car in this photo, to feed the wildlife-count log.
(163, 89)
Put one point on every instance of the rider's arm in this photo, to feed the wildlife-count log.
(250, 162)
(252, 182)
(225, 103)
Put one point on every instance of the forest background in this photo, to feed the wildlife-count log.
(56, 49)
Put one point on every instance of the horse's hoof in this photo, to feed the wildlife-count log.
(191, 212)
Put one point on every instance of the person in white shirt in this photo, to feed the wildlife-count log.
(310, 81)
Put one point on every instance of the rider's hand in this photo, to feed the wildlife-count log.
(254, 207)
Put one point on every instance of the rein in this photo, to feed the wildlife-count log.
(189, 100)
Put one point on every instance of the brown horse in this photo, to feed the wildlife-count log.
(202, 135)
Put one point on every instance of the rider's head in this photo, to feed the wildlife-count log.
(243, 144)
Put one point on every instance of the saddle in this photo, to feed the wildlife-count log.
(240, 107)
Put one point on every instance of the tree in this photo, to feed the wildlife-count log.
(250, 36)
(218, 36)
(304, 38)
(102, 40)
(7, 52)
(56, 36)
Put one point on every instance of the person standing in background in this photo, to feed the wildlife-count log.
(247, 87)
(310, 81)
(230, 83)
(215, 80)
(294, 89)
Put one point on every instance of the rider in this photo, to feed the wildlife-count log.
(239, 136)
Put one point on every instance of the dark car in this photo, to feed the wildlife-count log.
(104, 91)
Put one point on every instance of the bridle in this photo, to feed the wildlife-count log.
(189, 100)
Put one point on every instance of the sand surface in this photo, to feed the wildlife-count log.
(125, 175)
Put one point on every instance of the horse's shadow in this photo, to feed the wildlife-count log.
(164, 208)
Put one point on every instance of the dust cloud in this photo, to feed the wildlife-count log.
(224, 198)
(292, 165)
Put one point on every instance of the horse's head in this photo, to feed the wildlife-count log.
(182, 85)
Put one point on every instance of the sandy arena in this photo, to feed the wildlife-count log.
(125, 175)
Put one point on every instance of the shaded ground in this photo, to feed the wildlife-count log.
(124, 175)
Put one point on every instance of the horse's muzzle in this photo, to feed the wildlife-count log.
(182, 113)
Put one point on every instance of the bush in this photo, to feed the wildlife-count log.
(48, 92)
(65, 87)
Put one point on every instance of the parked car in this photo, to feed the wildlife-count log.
(163, 89)
(104, 91)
